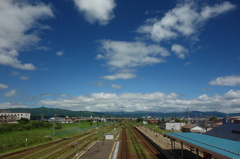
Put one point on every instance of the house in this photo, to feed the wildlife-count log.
(229, 131)
(60, 120)
(176, 126)
(193, 128)
(68, 120)
(153, 121)
(8, 117)
(235, 119)
(144, 122)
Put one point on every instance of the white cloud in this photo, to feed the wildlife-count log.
(116, 86)
(187, 64)
(24, 78)
(120, 75)
(19, 21)
(63, 95)
(47, 94)
(210, 12)
(6, 58)
(10, 93)
(121, 54)
(157, 101)
(100, 11)
(15, 73)
(185, 19)
(233, 80)
(179, 50)
(100, 83)
(12, 105)
(127, 55)
(60, 53)
(232, 94)
(3, 86)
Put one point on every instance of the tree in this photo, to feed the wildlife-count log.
(23, 121)
(139, 119)
(213, 118)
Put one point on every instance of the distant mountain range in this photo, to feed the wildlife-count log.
(43, 111)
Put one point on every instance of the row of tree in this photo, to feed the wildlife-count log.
(25, 124)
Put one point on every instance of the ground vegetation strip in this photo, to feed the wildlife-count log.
(17, 140)
(63, 148)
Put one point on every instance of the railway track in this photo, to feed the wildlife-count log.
(65, 148)
(154, 152)
(41, 149)
(124, 145)
(143, 148)
(141, 154)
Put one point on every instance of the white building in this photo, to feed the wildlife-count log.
(172, 126)
(13, 117)
(193, 128)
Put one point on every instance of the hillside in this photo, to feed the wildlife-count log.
(43, 111)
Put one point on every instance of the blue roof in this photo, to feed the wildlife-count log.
(223, 147)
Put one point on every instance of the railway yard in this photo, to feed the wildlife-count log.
(130, 142)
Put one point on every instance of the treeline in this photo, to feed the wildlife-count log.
(21, 126)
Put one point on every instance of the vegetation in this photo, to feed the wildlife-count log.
(13, 136)
(213, 118)
(25, 125)
(178, 120)
(23, 121)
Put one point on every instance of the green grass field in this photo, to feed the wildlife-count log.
(20, 139)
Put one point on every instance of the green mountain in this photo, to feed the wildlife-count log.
(43, 111)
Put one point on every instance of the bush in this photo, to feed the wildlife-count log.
(23, 121)
(58, 126)
(22, 126)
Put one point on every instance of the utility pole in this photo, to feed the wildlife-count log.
(113, 122)
(97, 123)
(188, 112)
(122, 111)
(54, 125)
(122, 116)
(79, 124)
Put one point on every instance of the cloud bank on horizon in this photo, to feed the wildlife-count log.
(157, 101)
(163, 38)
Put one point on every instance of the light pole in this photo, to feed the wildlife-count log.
(122, 111)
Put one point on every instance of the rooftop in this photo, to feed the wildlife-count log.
(219, 147)
(228, 131)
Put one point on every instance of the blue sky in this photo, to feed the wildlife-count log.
(100, 55)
